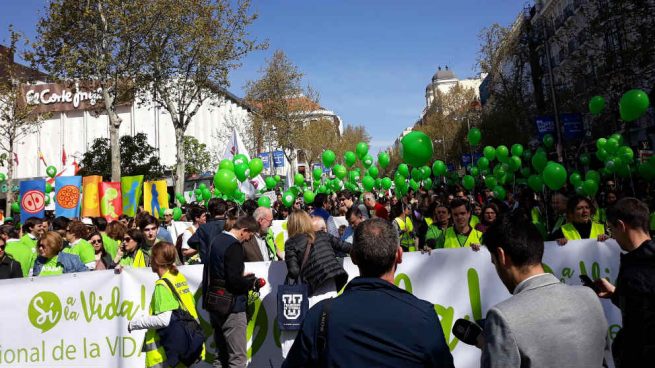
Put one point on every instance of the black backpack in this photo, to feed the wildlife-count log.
(183, 338)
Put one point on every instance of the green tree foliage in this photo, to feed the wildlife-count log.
(137, 158)
(315, 137)
(198, 159)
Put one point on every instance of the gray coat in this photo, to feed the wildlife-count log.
(546, 324)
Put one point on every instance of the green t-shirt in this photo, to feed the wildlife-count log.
(82, 249)
(111, 245)
(52, 268)
(163, 300)
(23, 253)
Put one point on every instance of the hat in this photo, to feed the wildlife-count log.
(87, 221)
(168, 211)
(7, 219)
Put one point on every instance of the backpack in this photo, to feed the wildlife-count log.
(183, 339)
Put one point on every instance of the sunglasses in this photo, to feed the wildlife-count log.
(126, 239)
(96, 241)
(2, 246)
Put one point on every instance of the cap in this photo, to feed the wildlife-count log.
(87, 221)
(168, 211)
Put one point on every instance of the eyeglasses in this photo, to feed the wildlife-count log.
(126, 238)
(97, 241)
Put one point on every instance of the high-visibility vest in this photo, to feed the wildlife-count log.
(140, 259)
(600, 216)
(155, 354)
(270, 243)
(559, 222)
(474, 221)
(571, 233)
(451, 240)
(406, 233)
(428, 220)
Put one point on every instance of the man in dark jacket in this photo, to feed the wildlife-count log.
(362, 327)
(634, 292)
(213, 227)
(226, 262)
(9, 269)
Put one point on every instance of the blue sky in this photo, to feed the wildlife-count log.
(369, 60)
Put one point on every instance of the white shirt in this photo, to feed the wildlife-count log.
(186, 235)
(262, 247)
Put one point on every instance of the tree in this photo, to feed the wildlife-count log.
(197, 158)
(190, 56)
(137, 158)
(282, 104)
(17, 119)
(98, 42)
(315, 137)
(352, 134)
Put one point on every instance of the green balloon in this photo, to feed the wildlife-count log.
(426, 171)
(554, 175)
(322, 189)
(416, 148)
(339, 171)
(575, 179)
(206, 194)
(612, 145)
(489, 152)
(225, 181)
(403, 170)
(600, 143)
(367, 161)
(646, 171)
(242, 171)
(349, 158)
(256, 166)
(3, 177)
(474, 136)
(308, 196)
(177, 213)
(619, 138)
(270, 183)
(383, 159)
(427, 183)
(549, 141)
(526, 172)
(474, 171)
(626, 153)
(400, 181)
(585, 159)
(596, 105)
(51, 171)
(468, 182)
(277, 178)
(539, 161)
(317, 173)
(499, 192)
(417, 174)
(373, 171)
(593, 175)
(515, 163)
(328, 158)
(361, 149)
(226, 165)
(517, 150)
(633, 105)
(590, 187)
(490, 182)
(536, 183)
(414, 184)
(239, 159)
(264, 202)
(386, 183)
(602, 155)
(48, 188)
(288, 198)
(439, 168)
(298, 179)
(502, 153)
(368, 183)
(15, 207)
(483, 163)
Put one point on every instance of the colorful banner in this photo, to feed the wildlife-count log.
(90, 196)
(131, 189)
(155, 197)
(81, 319)
(111, 203)
(67, 196)
(32, 199)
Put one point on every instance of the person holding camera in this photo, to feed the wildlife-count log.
(225, 291)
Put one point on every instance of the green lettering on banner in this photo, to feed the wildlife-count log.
(257, 328)
(44, 311)
(91, 350)
(447, 319)
(63, 351)
(547, 268)
(93, 307)
(474, 293)
(407, 283)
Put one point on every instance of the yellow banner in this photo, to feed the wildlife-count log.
(91, 198)
(155, 197)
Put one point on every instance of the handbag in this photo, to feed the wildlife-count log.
(216, 298)
(183, 339)
(293, 299)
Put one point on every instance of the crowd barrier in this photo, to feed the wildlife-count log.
(81, 319)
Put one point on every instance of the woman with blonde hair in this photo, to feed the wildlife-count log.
(51, 260)
(171, 293)
(317, 265)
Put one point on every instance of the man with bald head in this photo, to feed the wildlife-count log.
(260, 247)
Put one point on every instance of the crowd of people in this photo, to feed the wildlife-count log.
(380, 228)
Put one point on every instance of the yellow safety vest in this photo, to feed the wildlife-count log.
(139, 259)
(451, 240)
(155, 354)
(406, 238)
(428, 220)
(571, 233)
(474, 221)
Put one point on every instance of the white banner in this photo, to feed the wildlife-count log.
(81, 319)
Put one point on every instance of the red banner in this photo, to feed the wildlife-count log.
(111, 201)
